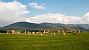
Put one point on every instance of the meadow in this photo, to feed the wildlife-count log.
(57, 42)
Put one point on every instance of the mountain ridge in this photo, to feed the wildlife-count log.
(44, 26)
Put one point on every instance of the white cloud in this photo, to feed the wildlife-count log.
(37, 6)
(56, 18)
(10, 12)
(85, 18)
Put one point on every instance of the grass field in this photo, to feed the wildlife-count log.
(58, 42)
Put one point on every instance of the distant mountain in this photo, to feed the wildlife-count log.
(44, 26)
(21, 26)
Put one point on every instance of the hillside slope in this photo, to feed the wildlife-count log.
(44, 26)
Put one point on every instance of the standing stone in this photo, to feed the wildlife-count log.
(25, 32)
(44, 32)
(64, 33)
(7, 32)
(58, 31)
(41, 34)
(33, 33)
(13, 31)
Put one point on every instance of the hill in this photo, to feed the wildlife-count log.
(44, 26)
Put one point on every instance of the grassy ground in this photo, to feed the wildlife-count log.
(58, 42)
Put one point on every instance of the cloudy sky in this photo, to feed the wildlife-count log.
(50, 11)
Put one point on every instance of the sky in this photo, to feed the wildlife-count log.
(39, 11)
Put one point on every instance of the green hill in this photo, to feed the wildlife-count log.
(44, 26)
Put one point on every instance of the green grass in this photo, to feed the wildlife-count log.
(58, 42)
